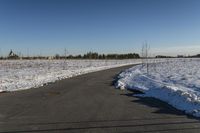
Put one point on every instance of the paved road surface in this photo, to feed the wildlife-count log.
(88, 103)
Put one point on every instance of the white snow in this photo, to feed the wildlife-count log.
(24, 74)
(175, 81)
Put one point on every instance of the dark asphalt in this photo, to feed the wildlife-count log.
(89, 103)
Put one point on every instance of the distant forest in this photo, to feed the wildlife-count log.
(95, 55)
(92, 55)
(178, 56)
(195, 56)
(89, 55)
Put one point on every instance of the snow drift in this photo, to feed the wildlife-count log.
(175, 81)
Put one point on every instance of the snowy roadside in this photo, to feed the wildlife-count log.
(25, 74)
(176, 81)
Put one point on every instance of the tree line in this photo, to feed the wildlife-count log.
(95, 55)
(88, 55)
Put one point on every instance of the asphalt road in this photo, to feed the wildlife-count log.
(89, 103)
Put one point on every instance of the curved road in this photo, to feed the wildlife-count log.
(89, 103)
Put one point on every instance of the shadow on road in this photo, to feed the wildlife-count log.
(161, 107)
(110, 127)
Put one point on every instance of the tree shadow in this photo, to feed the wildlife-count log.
(161, 106)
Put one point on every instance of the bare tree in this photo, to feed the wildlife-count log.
(27, 52)
(142, 55)
(65, 57)
(145, 56)
(1, 55)
(65, 53)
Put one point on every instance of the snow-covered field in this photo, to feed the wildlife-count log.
(175, 81)
(25, 74)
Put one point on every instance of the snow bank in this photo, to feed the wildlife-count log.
(24, 74)
(175, 81)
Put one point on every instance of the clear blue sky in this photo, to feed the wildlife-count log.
(105, 26)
